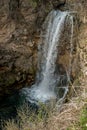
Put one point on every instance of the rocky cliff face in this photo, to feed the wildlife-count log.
(19, 39)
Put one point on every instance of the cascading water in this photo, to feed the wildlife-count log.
(47, 78)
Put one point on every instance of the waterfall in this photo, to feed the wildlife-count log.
(47, 78)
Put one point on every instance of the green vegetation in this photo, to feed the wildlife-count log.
(46, 118)
(83, 119)
(82, 123)
(34, 2)
(29, 119)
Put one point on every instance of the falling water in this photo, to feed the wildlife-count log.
(47, 79)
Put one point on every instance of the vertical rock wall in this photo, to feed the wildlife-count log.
(19, 40)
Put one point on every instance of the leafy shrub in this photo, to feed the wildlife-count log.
(83, 119)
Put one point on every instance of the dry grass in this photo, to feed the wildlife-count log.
(11, 125)
(70, 113)
(67, 117)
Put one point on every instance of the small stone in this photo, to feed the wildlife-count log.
(86, 73)
(31, 44)
(25, 32)
(25, 37)
(82, 45)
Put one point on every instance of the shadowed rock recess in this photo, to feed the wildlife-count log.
(20, 37)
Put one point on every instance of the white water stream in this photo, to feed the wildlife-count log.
(45, 89)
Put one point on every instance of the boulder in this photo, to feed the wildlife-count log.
(58, 3)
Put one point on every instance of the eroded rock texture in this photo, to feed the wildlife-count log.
(19, 38)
